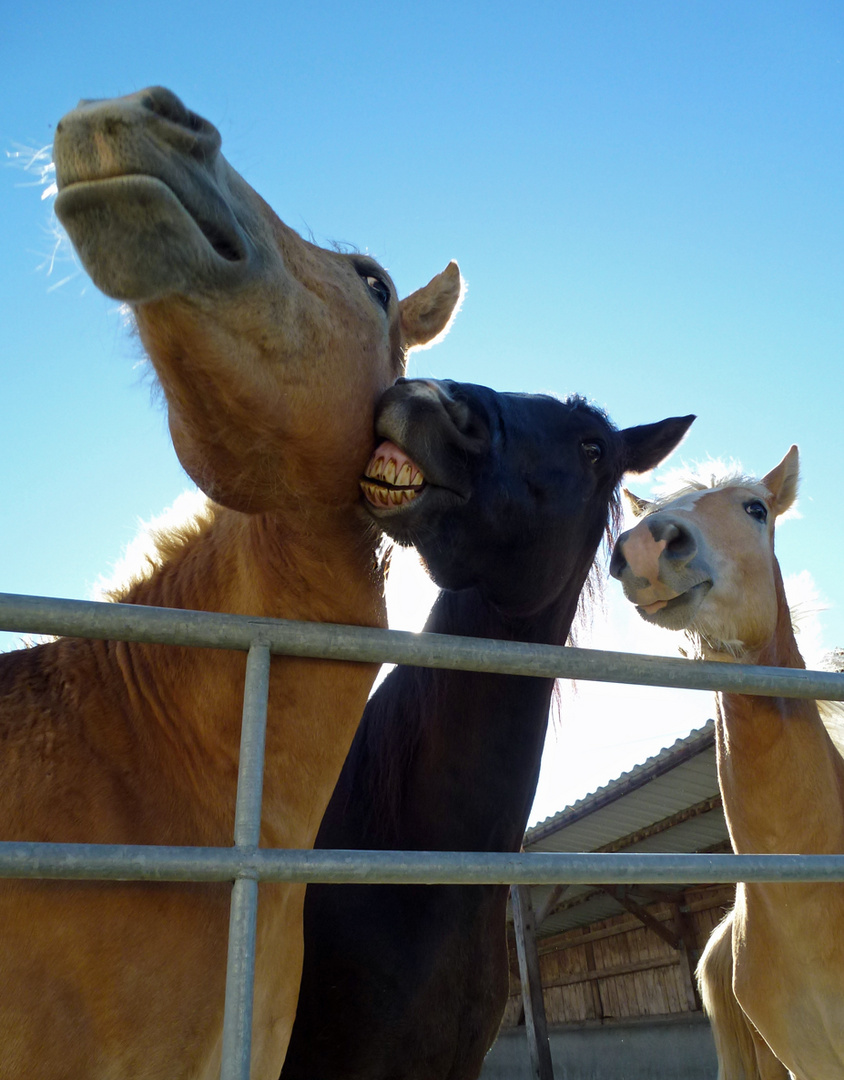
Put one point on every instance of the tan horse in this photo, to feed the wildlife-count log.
(271, 353)
(704, 562)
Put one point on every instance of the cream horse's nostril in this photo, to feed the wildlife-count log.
(618, 562)
(639, 553)
(678, 542)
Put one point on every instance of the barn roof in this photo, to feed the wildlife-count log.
(669, 803)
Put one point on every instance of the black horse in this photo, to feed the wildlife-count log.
(506, 497)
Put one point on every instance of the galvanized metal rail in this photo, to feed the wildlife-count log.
(203, 629)
(245, 864)
(116, 862)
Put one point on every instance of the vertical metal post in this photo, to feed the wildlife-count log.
(535, 1023)
(243, 920)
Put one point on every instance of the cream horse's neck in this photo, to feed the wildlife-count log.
(781, 775)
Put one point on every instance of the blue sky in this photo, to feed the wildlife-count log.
(645, 200)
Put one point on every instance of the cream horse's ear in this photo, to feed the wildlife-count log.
(639, 507)
(782, 481)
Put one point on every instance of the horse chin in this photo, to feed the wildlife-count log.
(680, 612)
(410, 523)
(140, 242)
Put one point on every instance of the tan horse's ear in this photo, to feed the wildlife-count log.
(639, 507)
(782, 481)
(427, 313)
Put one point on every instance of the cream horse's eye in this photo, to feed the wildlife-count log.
(757, 510)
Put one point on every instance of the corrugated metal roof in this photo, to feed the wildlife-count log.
(669, 803)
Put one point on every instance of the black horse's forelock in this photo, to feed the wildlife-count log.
(581, 403)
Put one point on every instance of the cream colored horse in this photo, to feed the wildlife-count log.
(704, 562)
(742, 1052)
(271, 353)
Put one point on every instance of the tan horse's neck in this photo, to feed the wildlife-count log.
(225, 561)
(264, 564)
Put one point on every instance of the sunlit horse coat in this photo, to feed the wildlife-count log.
(271, 353)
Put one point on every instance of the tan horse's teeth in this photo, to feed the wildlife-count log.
(418, 479)
(403, 479)
(390, 472)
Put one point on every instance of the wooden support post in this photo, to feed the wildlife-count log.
(547, 906)
(593, 984)
(689, 959)
(535, 1023)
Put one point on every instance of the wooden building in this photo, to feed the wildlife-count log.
(616, 963)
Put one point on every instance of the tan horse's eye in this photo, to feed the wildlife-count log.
(757, 510)
(379, 288)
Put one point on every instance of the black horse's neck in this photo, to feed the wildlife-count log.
(449, 760)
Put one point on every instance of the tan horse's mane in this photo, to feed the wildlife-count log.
(156, 542)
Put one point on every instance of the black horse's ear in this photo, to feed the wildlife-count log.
(647, 445)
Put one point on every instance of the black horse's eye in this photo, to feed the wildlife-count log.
(380, 289)
(757, 510)
(592, 451)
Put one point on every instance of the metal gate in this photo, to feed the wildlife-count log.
(245, 864)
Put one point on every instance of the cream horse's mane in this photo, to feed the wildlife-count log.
(832, 717)
(711, 475)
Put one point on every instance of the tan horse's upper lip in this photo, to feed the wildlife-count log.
(218, 226)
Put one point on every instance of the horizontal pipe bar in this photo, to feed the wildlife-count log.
(147, 863)
(128, 622)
